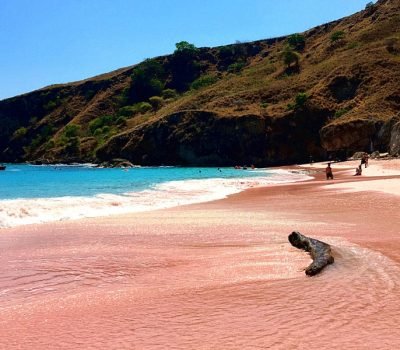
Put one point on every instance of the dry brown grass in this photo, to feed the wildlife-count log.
(264, 88)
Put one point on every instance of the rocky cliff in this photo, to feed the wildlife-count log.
(329, 91)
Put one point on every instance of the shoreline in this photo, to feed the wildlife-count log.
(160, 194)
(218, 274)
(343, 183)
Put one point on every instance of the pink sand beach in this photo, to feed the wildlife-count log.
(216, 275)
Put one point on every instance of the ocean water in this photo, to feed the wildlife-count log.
(35, 194)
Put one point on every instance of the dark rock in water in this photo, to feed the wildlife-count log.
(320, 252)
(358, 155)
(117, 163)
(121, 163)
(375, 155)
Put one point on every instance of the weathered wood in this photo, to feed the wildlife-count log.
(320, 252)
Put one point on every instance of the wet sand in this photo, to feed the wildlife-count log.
(217, 275)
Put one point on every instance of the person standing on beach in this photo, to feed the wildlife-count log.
(328, 171)
(358, 171)
(364, 160)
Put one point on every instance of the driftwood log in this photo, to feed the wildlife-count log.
(320, 252)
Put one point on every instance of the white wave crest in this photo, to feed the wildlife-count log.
(17, 212)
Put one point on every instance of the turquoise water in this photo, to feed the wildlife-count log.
(28, 181)
(36, 194)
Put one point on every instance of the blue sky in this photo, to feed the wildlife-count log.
(46, 42)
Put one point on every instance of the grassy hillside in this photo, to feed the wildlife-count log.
(332, 89)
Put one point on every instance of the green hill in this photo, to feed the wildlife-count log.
(329, 91)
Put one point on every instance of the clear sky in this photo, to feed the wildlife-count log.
(45, 42)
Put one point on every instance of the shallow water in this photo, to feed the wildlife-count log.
(220, 275)
(156, 287)
(38, 194)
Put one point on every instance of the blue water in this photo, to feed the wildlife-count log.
(38, 194)
(28, 181)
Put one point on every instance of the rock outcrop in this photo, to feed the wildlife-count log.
(353, 135)
(206, 138)
(395, 140)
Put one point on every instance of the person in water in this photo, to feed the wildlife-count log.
(328, 172)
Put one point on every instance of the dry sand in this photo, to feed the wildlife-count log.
(217, 275)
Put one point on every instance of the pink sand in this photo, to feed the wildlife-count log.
(218, 275)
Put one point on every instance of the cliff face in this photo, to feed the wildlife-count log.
(196, 137)
(333, 89)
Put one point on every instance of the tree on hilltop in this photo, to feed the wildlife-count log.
(184, 65)
(184, 46)
(297, 42)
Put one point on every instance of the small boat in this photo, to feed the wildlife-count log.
(2, 167)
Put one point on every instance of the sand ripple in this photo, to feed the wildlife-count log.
(196, 293)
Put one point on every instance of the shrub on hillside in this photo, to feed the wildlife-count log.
(297, 42)
(46, 131)
(35, 143)
(290, 56)
(169, 93)
(105, 132)
(100, 122)
(338, 35)
(71, 130)
(98, 132)
(145, 107)
(205, 80)
(50, 144)
(128, 111)
(20, 133)
(147, 80)
(123, 98)
(105, 129)
(121, 121)
(232, 54)
(49, 106)
(236, 67)
(341, 112)
(299, 101)
(69, 139)
(156, 102)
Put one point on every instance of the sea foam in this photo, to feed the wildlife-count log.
(15, 212)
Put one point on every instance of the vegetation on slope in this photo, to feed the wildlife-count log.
(333, 88)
